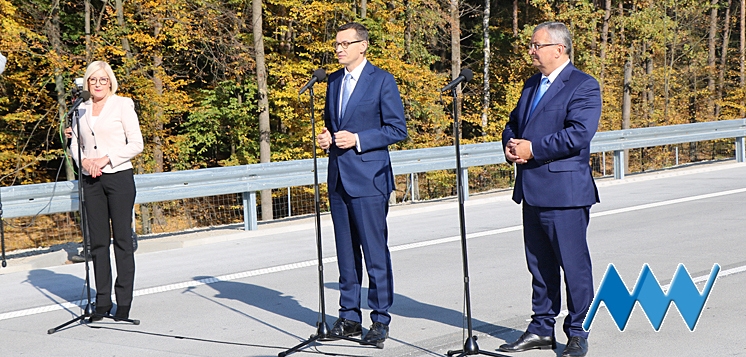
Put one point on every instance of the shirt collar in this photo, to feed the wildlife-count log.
(358, 70)
(552, 76)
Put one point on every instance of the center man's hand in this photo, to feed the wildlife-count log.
(324, 139)
(344, 139)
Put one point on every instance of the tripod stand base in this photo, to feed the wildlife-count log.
(471, 348)
(116, 319)
(88, 318)
(79, 318)
(322, 334)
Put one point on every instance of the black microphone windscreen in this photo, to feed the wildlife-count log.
(320, 74)
(467, 74)
(85, 95)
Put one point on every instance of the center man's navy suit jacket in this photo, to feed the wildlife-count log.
(376, 114)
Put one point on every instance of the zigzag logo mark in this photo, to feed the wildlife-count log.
(648, 292)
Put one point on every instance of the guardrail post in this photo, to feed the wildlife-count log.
(290, 206)
(465, 182)
(249, 211)
(415, 189)
(618, 164)
(741, 149)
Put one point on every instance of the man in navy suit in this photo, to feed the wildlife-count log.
(363, 115)
(548, 136)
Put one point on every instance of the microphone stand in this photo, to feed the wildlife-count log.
(323, 333)
(470, 345)
(89, 308)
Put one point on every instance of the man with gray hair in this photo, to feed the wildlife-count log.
(548, 137)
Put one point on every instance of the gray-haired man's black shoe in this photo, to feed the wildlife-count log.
(122, 313)
(99, 313)
(376, 335)
(576, 347)
(345, 328)
(529, 341)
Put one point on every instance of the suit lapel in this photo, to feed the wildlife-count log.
(360, 89)
(554, 88)
(84, 119)
(333, 97)
(528, 93)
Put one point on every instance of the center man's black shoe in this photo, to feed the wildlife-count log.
(529, 341)
(346, 328)
(576, 347)
(376, 335)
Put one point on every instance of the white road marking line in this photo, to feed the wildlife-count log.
(310, 263)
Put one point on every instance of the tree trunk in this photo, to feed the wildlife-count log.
(621, 29)
(88, 49)
(515, 18)
(604, 43)
(456, 51)
(158, 118)
(158, 128)
(742, 59)
(363, 9)
(649, 86)
(627, 103)
(486, 81)
(693, 113)
(125, 41)
(711, 58)
(261, 82)
(408, 31)
(723, 59)
(52, 28)
(669, 59)
(145, 228)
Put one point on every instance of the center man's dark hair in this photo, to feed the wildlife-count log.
(360, 30)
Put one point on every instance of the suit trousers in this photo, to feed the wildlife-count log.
(361, 232)
(555, 238)
(109, 200)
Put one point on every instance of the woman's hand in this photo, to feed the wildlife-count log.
(94, 166)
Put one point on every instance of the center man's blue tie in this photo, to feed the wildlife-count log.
(346, 92)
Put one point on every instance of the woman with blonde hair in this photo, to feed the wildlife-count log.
(109, 138)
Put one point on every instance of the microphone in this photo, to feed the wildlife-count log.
(85, 95)
(318, 76)
(465, 76)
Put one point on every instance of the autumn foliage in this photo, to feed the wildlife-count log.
(190, 67)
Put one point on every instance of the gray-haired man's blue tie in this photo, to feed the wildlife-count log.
(539, 93)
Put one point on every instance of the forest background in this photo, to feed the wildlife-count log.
(216, 81)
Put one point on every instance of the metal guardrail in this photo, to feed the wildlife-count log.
(48, 198)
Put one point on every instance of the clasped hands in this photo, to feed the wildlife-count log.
(518, 151)
(94, 166)
(343, 139)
